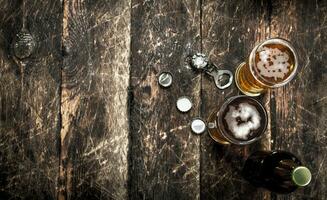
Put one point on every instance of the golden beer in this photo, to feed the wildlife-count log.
(271, 64)
(241, 120)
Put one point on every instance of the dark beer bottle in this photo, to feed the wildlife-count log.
(278, 171)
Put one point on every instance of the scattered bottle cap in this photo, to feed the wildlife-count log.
(184, 104)
(199, 61)
(198, 126)
(165, 79)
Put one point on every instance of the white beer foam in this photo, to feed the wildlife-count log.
(279, 60)
(250, 120)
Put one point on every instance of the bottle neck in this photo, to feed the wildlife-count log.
(284, 169)
(288, 170)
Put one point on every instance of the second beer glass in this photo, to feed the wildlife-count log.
(241, 120)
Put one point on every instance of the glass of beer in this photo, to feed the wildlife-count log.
(241, 120)
(271, 64)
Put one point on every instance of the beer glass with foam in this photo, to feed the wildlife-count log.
(241, 120)
(271, 64)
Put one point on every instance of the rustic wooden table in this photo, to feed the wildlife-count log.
(82, 115)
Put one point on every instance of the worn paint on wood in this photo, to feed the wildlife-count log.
(94, 133)
(230, 31)
(83, 115)
(164, 153)
(30, 101)
(299, 109)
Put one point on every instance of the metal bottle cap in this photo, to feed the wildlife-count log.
(165, 79)
(184, 104)
(301, 176)
(198, 126)
(199, 61)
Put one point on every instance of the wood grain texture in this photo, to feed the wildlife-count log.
(230, 31)
(83, 116)
(30, 102)
(296, 120)
(94, 133)
(164, 154)
(299, 109)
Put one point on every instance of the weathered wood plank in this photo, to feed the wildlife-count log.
(299, 109)
(164, 153)
(230, 31)
(91, 137)
(30, 101)
(94, 134)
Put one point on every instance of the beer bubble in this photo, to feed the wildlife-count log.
(242, 120)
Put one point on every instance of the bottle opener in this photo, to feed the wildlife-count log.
(201, 62)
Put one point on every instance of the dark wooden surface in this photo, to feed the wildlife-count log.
(30, 102)
(95, 78)
(230, 30)
(164, 155)
(83, 117)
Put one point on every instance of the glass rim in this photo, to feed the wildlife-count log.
(231, 139)
(269, 41)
